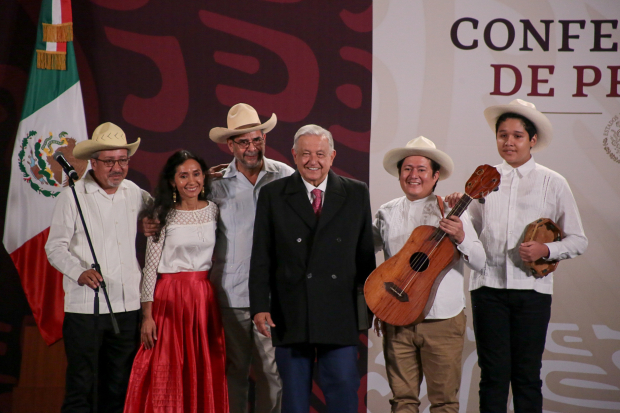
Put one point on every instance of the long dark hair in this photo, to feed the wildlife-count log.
(162, 202)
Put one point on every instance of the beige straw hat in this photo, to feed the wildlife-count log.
(242, 118)
(544, 130)
(423, 147)
(106, 137)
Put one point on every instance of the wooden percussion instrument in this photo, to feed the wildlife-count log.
(542, 230)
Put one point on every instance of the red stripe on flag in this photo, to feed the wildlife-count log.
(42, 284)
(65, 11)
(66, 16)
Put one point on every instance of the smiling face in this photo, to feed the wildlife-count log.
(313, 158)
(247, 151)
(416, 177)
(189, 179)
(514, 143)
(110, 177)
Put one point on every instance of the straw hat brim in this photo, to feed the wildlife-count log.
(219, 135)
(83, 150)
(392, 157)
(544, 130)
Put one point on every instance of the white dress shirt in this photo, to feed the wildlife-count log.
(236, 198)
(393, 224)
(309, 188)
(526, 194)
(112, 223)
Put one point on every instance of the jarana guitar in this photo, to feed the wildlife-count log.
(401, 291)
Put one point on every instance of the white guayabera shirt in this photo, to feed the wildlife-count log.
(393, 224)
(236, 198)
(525, 194)
(112, 225)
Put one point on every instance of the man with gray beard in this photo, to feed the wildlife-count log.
(236, 193)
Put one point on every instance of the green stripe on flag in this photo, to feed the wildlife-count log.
(46, 85)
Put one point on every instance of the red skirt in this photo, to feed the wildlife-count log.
(185, 371)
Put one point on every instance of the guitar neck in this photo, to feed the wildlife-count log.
(460, 206)
(458, 210)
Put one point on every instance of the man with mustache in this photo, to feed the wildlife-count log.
(236, 193)
(111, 205)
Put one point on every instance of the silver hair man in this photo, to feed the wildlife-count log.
(314, 130)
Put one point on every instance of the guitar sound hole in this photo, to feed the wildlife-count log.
(419, 262)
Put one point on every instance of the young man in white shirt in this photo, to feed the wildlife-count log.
(512, 308)
(110, 205)
(432, 348)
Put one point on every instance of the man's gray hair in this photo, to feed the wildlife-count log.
(314, 130)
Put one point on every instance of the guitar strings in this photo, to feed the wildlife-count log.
(438, 235)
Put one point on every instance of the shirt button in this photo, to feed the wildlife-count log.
(298, 239)
(309, 275)
(334, 276)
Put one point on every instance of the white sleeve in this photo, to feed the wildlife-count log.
(154, 251)
(62, 230)
(472, 247)
(568, 219)
(377, 231)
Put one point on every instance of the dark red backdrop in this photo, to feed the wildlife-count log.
(167, 71)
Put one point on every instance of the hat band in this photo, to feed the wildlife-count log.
(249, 125)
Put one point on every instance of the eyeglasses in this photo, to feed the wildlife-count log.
(245, 143)
(109, 163)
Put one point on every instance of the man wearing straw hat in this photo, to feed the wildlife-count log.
(511, 308)
(236, 194)
(110, 205)
(432, 348)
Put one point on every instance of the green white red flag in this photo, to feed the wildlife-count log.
(52, 120)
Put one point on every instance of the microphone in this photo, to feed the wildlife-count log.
(66, 166)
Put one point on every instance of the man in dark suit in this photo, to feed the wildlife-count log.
(312, 247)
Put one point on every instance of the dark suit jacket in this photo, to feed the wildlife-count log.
(305, 271)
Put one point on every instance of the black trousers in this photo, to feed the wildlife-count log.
(115, 355)
(511, 329)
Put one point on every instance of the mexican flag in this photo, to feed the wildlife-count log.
(52, 120)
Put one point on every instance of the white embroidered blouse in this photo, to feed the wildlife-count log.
(185, 244)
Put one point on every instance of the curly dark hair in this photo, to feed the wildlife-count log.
(162, 203)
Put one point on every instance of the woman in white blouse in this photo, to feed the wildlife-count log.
(180, 366)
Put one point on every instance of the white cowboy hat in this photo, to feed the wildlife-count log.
(242, 118)
(420, 146)
(106, 137)
(544, 130)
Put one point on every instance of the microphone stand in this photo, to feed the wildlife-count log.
(97, 268)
